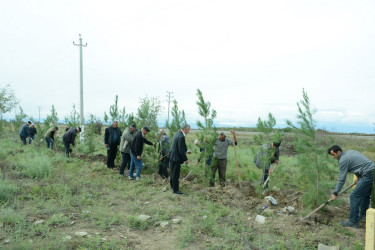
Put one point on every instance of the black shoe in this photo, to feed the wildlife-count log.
(178, 192)
(349, 224)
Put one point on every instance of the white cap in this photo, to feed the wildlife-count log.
(196, 142)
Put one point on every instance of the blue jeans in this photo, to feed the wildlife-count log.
(32, 137)
(135, 163)
(49, 142)
(360, 198)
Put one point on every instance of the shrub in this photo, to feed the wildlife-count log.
(37, 167)
(7, 189)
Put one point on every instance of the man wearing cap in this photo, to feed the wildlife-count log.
(49, 137)
(112, 138)
(273, 156)
(178, 156)
(220, 157)
(126, 140)
(33, 132)
(163, 148)
(352, 161)
(136, 149)
(69, 138)
(25, 132)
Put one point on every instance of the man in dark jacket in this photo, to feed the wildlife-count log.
(352, 161)
(33, 132)
(25, 132)
(49, 137)
(178, 156)
(112, 138)
(163, 149)
(136, 152)
(126, 140)
(69, 138)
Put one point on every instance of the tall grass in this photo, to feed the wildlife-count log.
(7, 189)
(37, 166)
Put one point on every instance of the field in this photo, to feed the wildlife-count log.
(48, 201)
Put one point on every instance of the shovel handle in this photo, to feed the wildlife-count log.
(325, 203)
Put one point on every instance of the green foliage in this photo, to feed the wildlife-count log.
(7, 100)
(7, 189)
(136, 223)
(73, 119)
(36, 167)
(148, 112)
(51, 119)
(178, 119)
(19, 119)
(208, 134)
(312, 157)
(93, 128)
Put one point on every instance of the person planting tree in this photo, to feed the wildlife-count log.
(69, 138)
(220, 157)
(136, 150)
(163, 149)
(352, 161)
(49, 137)
(272, 157)
(25, 132)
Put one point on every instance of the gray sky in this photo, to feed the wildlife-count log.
(248, 57)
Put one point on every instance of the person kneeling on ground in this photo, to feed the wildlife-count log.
(352, 161)
(136, 152)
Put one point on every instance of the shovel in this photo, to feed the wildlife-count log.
(325, 203)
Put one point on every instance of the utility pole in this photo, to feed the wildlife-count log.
(169, 96)
(39, 108)
(81, 86)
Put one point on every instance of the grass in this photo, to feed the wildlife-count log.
(73, 194)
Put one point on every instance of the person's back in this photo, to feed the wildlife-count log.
(70, 135)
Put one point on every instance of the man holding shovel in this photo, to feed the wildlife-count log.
(220, 157)
(352, 161)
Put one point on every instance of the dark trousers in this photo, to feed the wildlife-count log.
(265, 176)
(111, 156)
(125, 162)
(23, 139)
(163, 168)
(67, 148)
(221, 166)
(175, 175)
(360, 198)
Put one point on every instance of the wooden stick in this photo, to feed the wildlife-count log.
(265, 183)
(238, 172)
(325, 203)
(163, 157)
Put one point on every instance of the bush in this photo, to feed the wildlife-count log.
(7, 189)
(38, 167)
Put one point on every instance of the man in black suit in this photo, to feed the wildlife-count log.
(136, 149)
(112, 137)
(178, 156)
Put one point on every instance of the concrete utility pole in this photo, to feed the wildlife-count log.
(169, 96)
(81, 86)
(39, 108)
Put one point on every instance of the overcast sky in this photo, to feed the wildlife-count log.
(249, 58)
